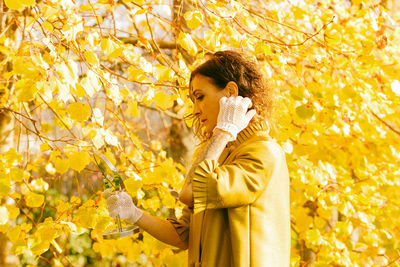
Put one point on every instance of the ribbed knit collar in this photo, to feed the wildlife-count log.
(249, 131)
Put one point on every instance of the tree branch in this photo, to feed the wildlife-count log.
(386, 123)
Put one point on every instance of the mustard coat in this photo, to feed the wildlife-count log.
(241, 214)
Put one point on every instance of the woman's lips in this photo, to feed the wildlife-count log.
(203, 121)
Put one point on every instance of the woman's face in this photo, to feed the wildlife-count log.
(205, 96)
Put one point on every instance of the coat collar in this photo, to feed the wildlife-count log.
(248, 132)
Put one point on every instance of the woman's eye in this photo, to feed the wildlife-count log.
(200, 97)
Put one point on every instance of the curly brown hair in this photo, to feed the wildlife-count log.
(225, 66)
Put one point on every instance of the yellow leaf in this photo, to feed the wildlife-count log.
(34, 200)
(305, 111)
(18, 175)
(48, 26)
(62, 206)
(46, 127)
(44, 147)
(78, 160)
(91, 83)
(14, 233)
(111, 139)
(105, 248)
(194, 19)
(263, 48)
(47, 232)
(98, 118)
(138, 75)
(314, 237)
(111, 48)
(298, 12)
(113, 92)
(79, 111)
(103, 223)
(133, 254)
(133, 109)
(124, 244)
(25, 90)
(75, 200)
(69, 226)
(40, 248)
(319, 223)
(164, 101)
(61, 165)
(24, 189)
(368, 46)
(21, 248)
(187, 43)
(162, 73)
(13, 211)
(151, 203)
(26, 68)
(50, 168)
(68, 72)
(27, 2)
(334, 35)
(49, 12)
(91, 57)
(86, 217)
(4, 188)
(39, 185)
(79, 90)
(14, 4)
(12, 157)
(167, 199)
(98, 139)
(132, 186)
(4, 228)
(303, 220)
(3, 215)
(15, 195)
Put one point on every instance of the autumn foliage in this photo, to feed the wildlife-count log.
(112, 76)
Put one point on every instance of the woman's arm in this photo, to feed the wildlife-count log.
(161, 229)
(120, 203)
(212, 151)
(241, 181)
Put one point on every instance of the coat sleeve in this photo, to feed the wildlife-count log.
(181, 225)
(236, 184)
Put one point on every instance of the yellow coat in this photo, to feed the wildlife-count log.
(241, 214)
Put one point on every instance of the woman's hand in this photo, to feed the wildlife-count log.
(120, 203)
(233, 116)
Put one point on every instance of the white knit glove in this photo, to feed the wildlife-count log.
(233, 116)
(121, 203)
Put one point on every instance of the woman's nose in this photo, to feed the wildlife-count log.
(196, 110)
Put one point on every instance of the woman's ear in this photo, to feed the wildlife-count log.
(232, 89)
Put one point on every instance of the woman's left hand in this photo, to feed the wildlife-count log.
(233, 116)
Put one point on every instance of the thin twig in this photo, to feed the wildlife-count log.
(55, 113)
(166, 112)
(385, 123)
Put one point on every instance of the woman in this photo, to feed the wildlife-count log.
(237, 191)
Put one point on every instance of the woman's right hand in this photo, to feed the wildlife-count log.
(120, 203)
